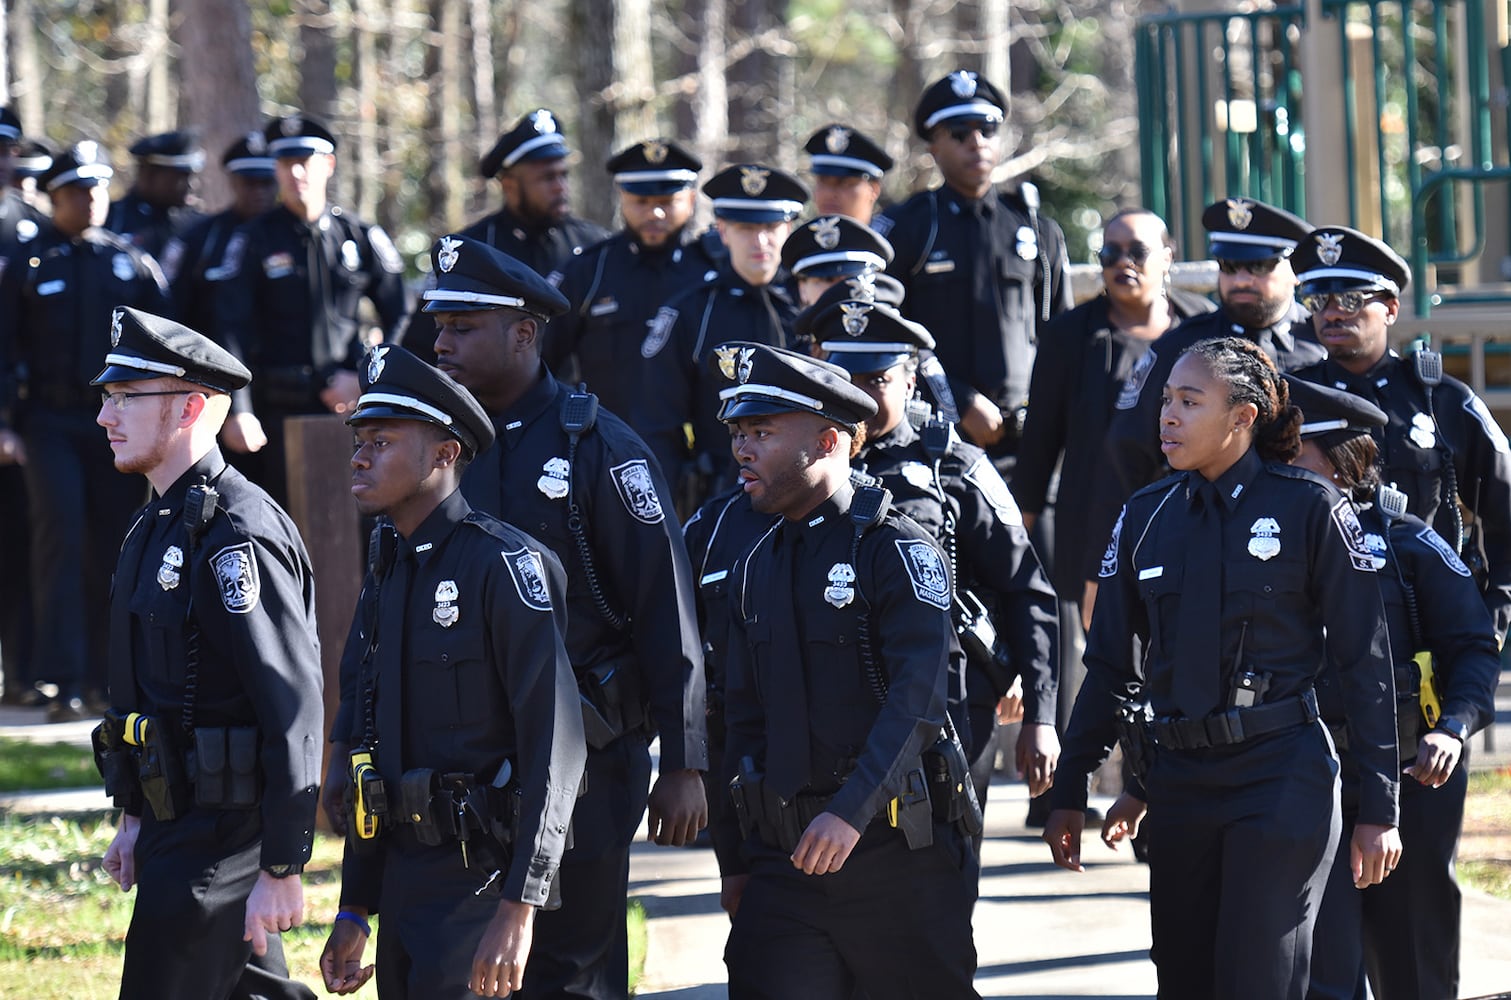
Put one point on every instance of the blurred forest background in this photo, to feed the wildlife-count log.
(417, 89)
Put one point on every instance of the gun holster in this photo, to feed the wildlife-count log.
(910, 812)
(159, 767)
(951, 791)
(611, 701)
(115, 762)
(1136, 736)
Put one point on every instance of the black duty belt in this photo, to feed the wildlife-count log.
(1236, 725)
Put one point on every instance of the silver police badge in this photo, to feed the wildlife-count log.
(375, 364)
(918, 475)
(841, 589)
(1240, 213)
(638, 491)
(446, 257)
(122, 266)
(446, 612)
(855, 319)
(351, 257)
(168, 572)
(115, 327)
(236, 573)
(837, 139)
(529, 576)
(87, 151)
(542, 121)
(753, 180)
(1330, 248)
(1028, 243)
(1422, 432)
(257, 143)
(1264, 545)
(863, 287)
(726, 357)
(1376, 544)
(654, 150)
(292, 125)
(963, 83)
(554, 483)
(745, 365)
(826, 232)
(26, 231)
(931, 581)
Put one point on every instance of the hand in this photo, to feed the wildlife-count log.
(333, 792)
(825, 846)
(731, 889)
(243, 433)
(1088, 604)
(275, 905)
(120, 856)
(1437, 755)
(1010, 705)
(341, 391)
(1123, 820)
(1030, 518)
(1062, 832)
(1038, 754)
(677, 808)
(982, 421)
(341, 961)
(1374, 853)
(12, 448)
(498, 965)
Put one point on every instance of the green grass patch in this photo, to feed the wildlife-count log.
(634, 915)
(27, 766)
(1487, 875)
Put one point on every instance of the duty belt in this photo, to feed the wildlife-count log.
(1236, 725)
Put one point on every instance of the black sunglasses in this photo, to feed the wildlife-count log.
(1349, 302)
(1258, 268)
(1113, 253)
(963, 133)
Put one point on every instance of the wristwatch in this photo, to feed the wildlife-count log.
(1453, 727)
(284, 871)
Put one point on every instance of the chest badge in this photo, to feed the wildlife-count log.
(1377, 548)
(554, 482)
(446, 612)
(1264, 543)
(918, 475)
(1423, 433)
(123, 267)
(841, 589)
(168, 573)
(1028, 243)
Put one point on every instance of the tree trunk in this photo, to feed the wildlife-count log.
(711, 102)
(218, 91)
(613, 73)
(317, 67)
(27, 94)
(160, 112)
(909, 32)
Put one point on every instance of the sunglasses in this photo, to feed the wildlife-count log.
(1258, 268)
(1113, 253)
(963, 133)
(1349, 302)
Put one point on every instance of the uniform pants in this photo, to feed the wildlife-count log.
(15, 587)
(185, 940)
(892, 924)
(582, 949)
(1241, 840)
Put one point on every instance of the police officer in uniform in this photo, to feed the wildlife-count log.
(156, 210)
(212, 741)
(294, 279)
(982, 267)
(20, 222)
(853, 876)
(575, 477)
(56, 298)
(466, 708)
(1441, 446)
(754, 206)
(29, 163)
(847, 168)
(824, 251)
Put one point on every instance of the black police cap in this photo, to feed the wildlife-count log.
(471, 276)
(961, 96)
(82, 163)
(248, 156)
(655, 167)
(144, 346)
(10, 125)
(537, 136)
(298, 135)
(864, 337)
(171, 150)
(1326, 410)
(764, 380)
(1339, 259)
(872, 286)
(834, 245)
(1245, 229)
(32, 159)
(839, 151)
(752, 192)
(396, 385)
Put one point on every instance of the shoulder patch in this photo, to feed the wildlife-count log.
(1110, 557)
(1133, 385)
(230, 261)
(925, 566)
(659, 332)
(637, 490)
(554, 278)
(1352, 533)
(882, 224)
(529, 576)
(236, 573)
(1440, 545)
(983, 475)
(384, 250)
(1480, 412)
(173, 256)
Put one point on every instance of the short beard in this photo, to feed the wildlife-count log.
(143, 464)
(1258, 314)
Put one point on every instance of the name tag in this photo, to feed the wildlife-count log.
(52, 287)
(713, 577)
(1151, 573)
(939, 267)
(604, 307)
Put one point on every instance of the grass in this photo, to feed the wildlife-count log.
(1485, 848)
(25, 765)
(635, 917)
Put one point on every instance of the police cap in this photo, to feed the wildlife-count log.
(144, 346)
(537, 136)
(1245, 229)
(471, 276)
(751, 192)
(864, 337)
(872, 286)
(834, 245)
(1339, 259)
(1325, 410)
(82, 163)
(10, 125)
(840, 151)
(248, 156)
(655, 167)
(396, 385)
(171, 151)
(297, 136)
(962, 96)
(764, 380)
(32, 159)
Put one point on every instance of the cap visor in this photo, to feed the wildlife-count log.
(735, 409)
(455, 306)
(754, 214)
(1339, 283)
(654, 189)
(864, 363)
(121, 373)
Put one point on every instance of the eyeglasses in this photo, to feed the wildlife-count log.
(963, 133)
(118, 399)
(1258, 268)
(1348, 302)
(1113, 253)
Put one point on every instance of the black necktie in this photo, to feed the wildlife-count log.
(122, 676)
(1198, 641)
(787, 747)
(388, 678)
(322, 346)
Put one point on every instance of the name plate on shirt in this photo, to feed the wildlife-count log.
(1153, 572)
(939, 267)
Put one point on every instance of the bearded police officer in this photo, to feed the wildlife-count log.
(156, 208)
(847, 168)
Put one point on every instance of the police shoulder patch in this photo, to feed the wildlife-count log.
(236, 574)
(230, 261)
(172, 258)
(385, 251)
(637, 489)
(926, 570)
(1133, 385)
(1440, 545)
(1481, 413)
(554, 279)
(660, 331)
(1110, 557)
(1352, 533)
(529, 575)
(983, 475)
(882, 224)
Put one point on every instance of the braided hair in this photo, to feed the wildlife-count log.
(1251, 377)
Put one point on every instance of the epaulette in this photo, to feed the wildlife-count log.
(489, 525)
(1158, 486)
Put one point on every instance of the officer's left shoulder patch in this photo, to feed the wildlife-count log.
(882, 224)
(1133, 385)
(926, 570)
(385, 251)
(983, 475)
(236, 574)
(1352, 533)
(659, 332)
(529, 576)
(1440, 545)
(230, 261)
(1109, 567)
(637, 489)
(1480, 412)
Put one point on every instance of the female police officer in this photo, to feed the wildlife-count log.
(1229, 572)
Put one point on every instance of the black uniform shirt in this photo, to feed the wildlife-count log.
(638, 557)
(1311, 572)
(146, 226)
(192, 264)
(259, 652)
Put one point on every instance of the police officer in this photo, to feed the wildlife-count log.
(212, 741)
(1441, 447)
(754, 206)
(847, 168)
(289, 301)
(982, 267)
(839, 654)
(192, 262)
(30, 162)
(56, 298)
(466, 708)
(824, 251)
(615, 286)
(20, 222)
(156, 208)
(1239, 575)
(580, 481)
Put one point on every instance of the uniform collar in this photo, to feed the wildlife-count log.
(1278, 331)
(1377, 376)
(434, 529)
(1233, 484)
(509, 426)
(819, 519)
(898, 437)
(208, 469)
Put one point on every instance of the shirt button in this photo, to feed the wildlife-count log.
(445, 657)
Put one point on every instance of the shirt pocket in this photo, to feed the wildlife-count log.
(456, 658)
(1160, 589)
(162, 614)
